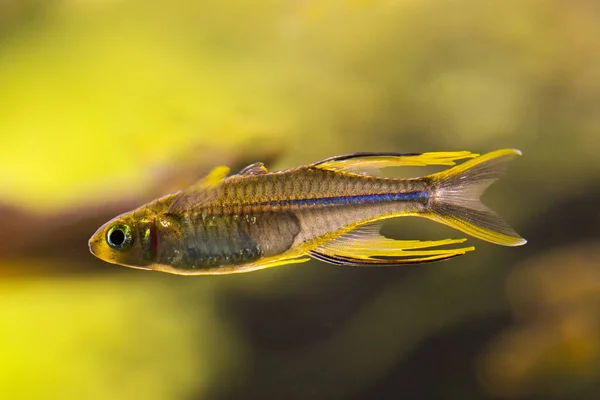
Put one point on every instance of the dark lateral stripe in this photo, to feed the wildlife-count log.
(420, 196)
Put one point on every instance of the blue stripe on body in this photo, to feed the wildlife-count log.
(420, 196)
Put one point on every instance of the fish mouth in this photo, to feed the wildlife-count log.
(91, 246)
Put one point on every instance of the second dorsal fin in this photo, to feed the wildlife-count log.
(257, 168)
(368, 163)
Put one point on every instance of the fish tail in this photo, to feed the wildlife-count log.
(455, 201)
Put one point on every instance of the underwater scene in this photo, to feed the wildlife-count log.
(150, 134)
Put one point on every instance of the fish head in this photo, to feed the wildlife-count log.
(119, 241)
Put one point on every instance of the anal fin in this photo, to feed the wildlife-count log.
(364, 246)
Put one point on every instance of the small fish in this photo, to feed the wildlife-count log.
(331, 210)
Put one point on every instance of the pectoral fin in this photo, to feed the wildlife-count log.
(364, 246)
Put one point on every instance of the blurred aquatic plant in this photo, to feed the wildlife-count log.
(95, 94)
(95, 339)
(554, 346)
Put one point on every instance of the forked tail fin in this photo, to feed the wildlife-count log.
(456, 198)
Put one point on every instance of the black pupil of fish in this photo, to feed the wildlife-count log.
(117, 237)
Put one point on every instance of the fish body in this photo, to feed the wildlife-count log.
(330, 210)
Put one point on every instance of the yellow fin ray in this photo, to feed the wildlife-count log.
(198, 192)
(400, 248)
(368, 162)
(365, 246)
(215, 176)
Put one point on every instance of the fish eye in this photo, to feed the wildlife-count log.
(119, 237)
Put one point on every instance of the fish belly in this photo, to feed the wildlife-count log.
(213, 241)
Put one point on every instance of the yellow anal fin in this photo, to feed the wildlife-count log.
(382, 262)
(369, 162)
(365, 246)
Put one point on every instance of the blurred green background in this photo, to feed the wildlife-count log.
(106, 104)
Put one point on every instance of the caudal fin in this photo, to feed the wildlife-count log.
(456, 200)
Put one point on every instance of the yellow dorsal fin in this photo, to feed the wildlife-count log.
(365, 246)
(370, 162)
(197, 192)
(215, 176)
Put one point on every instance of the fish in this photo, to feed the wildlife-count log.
(331, 210)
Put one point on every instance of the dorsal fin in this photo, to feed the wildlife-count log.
(215, 176)
(366, 246)
(190, 196)
(257, 168)
(368, 163)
